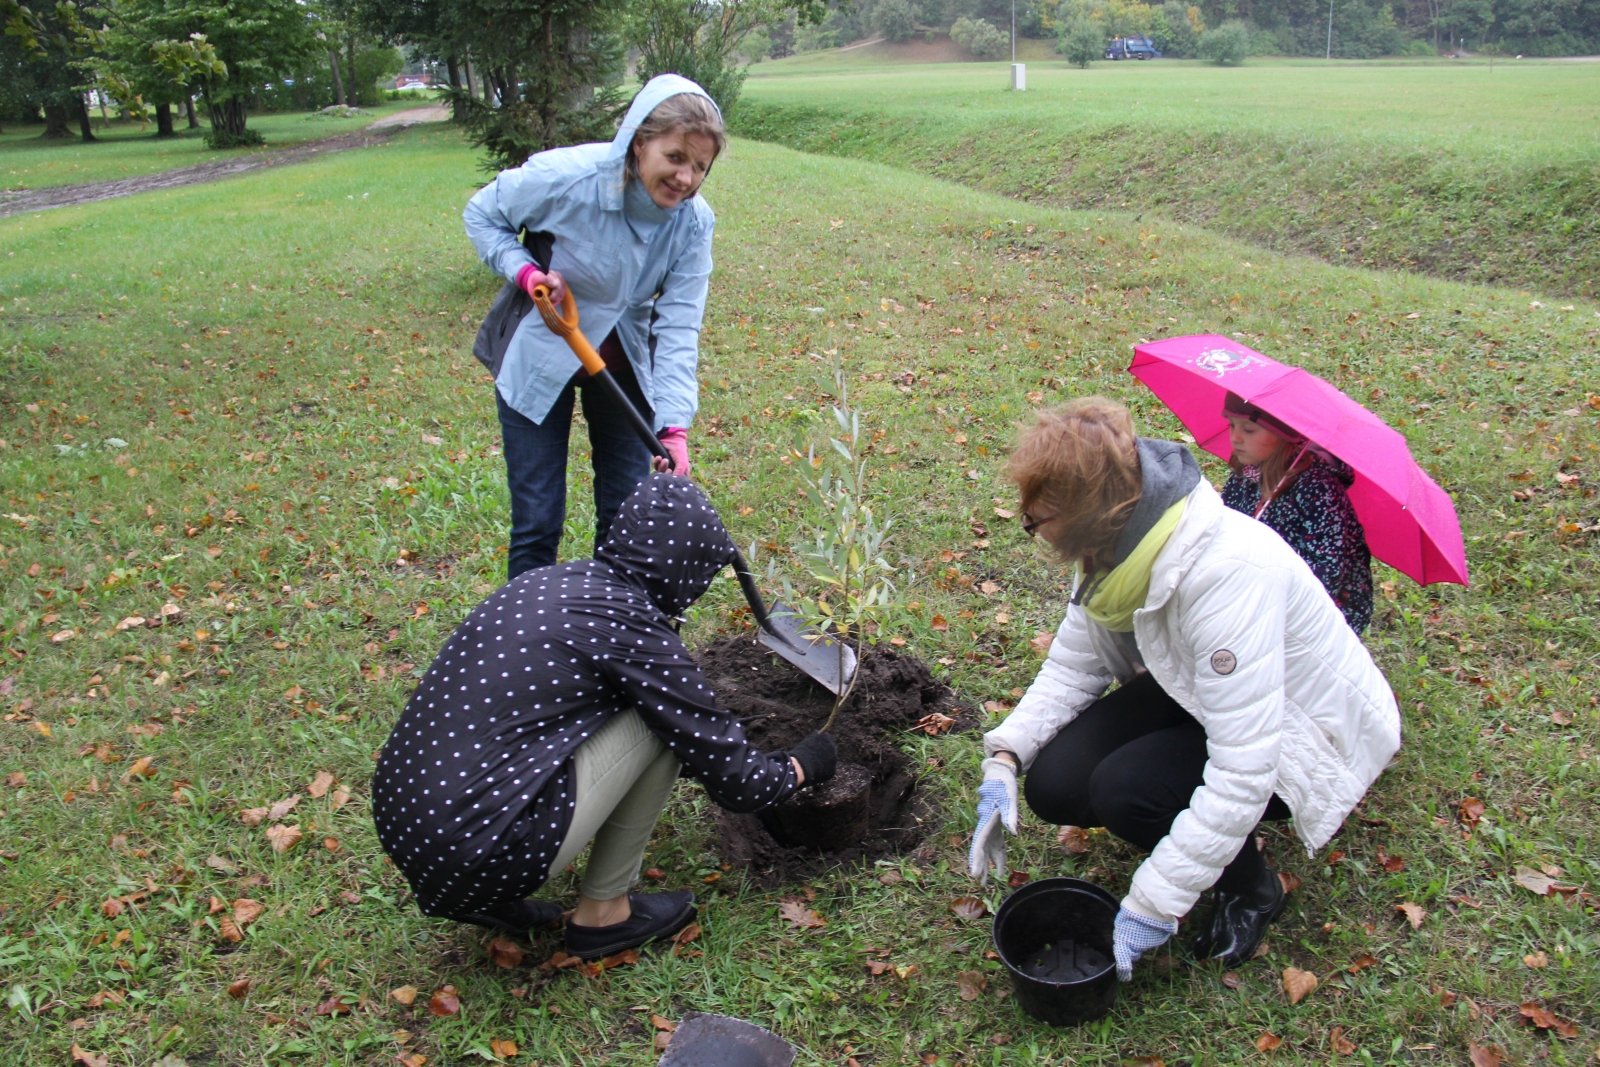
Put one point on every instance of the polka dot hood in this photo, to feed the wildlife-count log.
(473, 793)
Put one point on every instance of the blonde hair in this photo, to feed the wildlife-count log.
(678, 113)
(1079, 465)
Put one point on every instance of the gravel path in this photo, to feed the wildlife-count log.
(68, 195)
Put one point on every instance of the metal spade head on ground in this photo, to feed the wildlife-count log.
(820, 656)
(707, 1040)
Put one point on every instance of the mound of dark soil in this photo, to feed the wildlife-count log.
(779, 706)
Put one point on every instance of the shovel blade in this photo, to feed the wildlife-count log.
(707, 1040)
(822, 657)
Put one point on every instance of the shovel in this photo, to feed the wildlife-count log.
(707, 1040)
(827, 661)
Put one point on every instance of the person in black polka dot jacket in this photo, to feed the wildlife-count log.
(562, 709)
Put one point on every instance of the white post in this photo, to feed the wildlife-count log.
(1019, 76)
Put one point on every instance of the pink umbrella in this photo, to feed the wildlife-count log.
(1410, 522)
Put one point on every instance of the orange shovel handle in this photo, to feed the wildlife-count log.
(565, 326)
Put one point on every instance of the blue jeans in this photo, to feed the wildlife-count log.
(536, 468)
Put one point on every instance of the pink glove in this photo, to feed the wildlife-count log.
(530, 276)
(675, 439)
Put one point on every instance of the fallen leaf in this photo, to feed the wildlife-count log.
(971, 984)
(1075, 838)
(989, 588)
(969, 908)
(626, 958)
(1268, 1042)
(1414, 913)
(685, 936)
(16, 780)
(319, 786)
(1447, 999)
(1017, 878)
(1392, 864)
(331, 844)
(406, 995)
(1144, 1061)
(112, 908)
(803, 918)
(1537, 960)
(415, 1059)
(246, 911)
(1361, 963)
(129, 623)
(1298, 984)
(939, 624)
(504, 1049)
(339, 798)
(875, 967)
(655, 874)
(1471, 810)
(662, 1024)
(1041, 642)
(905, 972)
(62, 635)
(1290, 882)
(445, 1002)
(253, 816)
(662, 1041)
(1535, 881)
(933, 724)
(143, 767)
(86, 1058)
(1342, 1046)
(334, 1005)
(1485, 1055)
(238, 990)
(283, 807)
(505, 953)
(284, 837)
(229, 930)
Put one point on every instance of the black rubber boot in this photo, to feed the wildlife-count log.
(1239, 921)
(655, 916)
(515, 916)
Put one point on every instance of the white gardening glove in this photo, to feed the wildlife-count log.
(997, 814)
(1134, 935)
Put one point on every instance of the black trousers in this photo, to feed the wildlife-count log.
(1130, 763)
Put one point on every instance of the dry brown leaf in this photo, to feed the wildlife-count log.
(939, 624)
(505, 953)
(1471, 809)
(1537, 960)
(1342, 1046)
(1232, 980)
(1298, 984)
(904, 972)
(238, 990)
(334, 1005)
(971, 984)
(1041, 642)
(875, 967)
(503, 1049)
(1485, 1055)
(969, 908)
(339, 798)
(284, 837)
(1392, 864)
(217, 904)
(803, 918)
(331, 844)
(143, 767)
(662, 1024)
(1290, 882)
(229, 930)
(320, 785)
(1447, 999)
(406, 995)
(254, 816)
(247, 911)
(1144, 1061)
(112, 907)
(1075, 838)
(626, 958)
(1361, 963)
(680, 944)
(1017, 879)
(415, 1059)
(1413, 912)
(445, 1002)
(1268, 1042)
(662, 1041)
(16, 780)
(1535, 881)
(283, 807)
(85, 1058)
(933, 724)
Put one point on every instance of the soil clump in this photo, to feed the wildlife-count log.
(779, 706)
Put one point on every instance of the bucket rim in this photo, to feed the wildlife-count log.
(1058, 884)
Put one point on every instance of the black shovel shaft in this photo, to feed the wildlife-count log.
(747, 581)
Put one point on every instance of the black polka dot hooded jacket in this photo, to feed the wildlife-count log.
(473, 792)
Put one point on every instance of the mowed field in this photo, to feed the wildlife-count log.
(264, 414)
(1454, 168)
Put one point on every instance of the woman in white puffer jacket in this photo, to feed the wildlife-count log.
(1242, 693)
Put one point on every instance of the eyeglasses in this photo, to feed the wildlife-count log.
(1030, 525)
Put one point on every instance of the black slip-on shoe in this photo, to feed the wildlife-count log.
(655, 916)
(515, 916)
(1238, 923)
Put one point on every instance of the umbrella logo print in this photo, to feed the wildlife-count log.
(1220, 361)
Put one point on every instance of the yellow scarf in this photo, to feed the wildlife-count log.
(1123, 591)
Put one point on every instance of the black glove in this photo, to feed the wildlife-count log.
(818, 758)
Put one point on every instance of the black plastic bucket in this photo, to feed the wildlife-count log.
(1054, 937)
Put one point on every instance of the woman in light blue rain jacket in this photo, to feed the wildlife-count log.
(623, 226)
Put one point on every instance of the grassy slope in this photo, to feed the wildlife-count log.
(1426, 166)
(305, 421)
(127, 150)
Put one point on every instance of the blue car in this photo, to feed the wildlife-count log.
(1131, 48)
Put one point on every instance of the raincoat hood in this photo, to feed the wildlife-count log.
(650, 97)
(667, 540)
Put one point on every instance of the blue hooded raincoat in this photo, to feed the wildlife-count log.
(631, 266)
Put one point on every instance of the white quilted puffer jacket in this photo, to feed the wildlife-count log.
(1241, 634)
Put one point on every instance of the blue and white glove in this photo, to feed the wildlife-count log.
(997, 814)
(1134, 935)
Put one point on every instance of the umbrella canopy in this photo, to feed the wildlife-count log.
(1410, 522)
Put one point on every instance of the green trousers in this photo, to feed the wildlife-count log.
(624, 776)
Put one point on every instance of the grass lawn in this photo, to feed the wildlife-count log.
(309, 476)
(127, 149)
(1431, 165)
